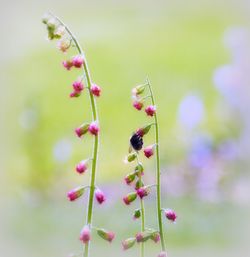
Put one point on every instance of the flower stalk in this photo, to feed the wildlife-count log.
(53, 24)
(136, 145)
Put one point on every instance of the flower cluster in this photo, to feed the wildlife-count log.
(135, 178)
(58, 30)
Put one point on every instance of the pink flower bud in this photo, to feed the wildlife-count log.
(63, 45)
(128, 243)
(67, 64)
(170, 215)
(138, 105)
(144, 130)
(78, 86)
(95, 90)
(94, 128)
(138, 90)
(75, 193)
(106, 235)
(99, 196)
(129, 178)
(143, 191)
(74, 94)
(150, 110)
(77, 61)
(83, 129)
(81, 167)
(85, 234)
(129, 198)
(162, 254)
(143, 236)
(155, 237)
(149, 151)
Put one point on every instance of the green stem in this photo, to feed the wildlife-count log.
(142, 226)
(142, 250)
(96, 140)
(158, 173)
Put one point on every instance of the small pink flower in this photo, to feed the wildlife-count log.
(129, 198)
(142, 192)
(149, 151)
(81, 167)
(83, 129)
(78, 86)
(99, 196)
(129, 178)
(139, 237)
(150, 110)
(94, 128)
(170, 215)
(75, 193)
(138, 105)
(162, 254)
(63, 45)
(156, 237)
(67, 64)
(74, 94)
(128, 243)
(95, 90)
(106, 235)
(77, 61)
(85, 235)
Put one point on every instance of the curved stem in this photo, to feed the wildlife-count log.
(96, 140)
(158, 172)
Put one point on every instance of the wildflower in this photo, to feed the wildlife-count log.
(150, 110)
(130, 178)
(155, 237)
(74, 94)
(144, 130)
(149, 151)
(83, 129)
(143, 191)
(77, 61)
(128, 243)
(138, 90)
(95, 90)
(67, 64)
(106, 235)
(99, 196)
(138, 105)
(63, 45)
(81, 167)
(85, 234)
(94, 128)
(78, 86)
(75, 193)
(129, 198)
(170, 215)
(143, 236)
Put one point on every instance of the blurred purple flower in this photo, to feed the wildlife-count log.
(191, 111)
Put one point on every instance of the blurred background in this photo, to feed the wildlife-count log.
(197, 56)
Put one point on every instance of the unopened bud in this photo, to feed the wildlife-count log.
(130, 178)
(131, 157)
(137, 214)
(83, 129)
(106, 235)
(128, 243)
(129, 198)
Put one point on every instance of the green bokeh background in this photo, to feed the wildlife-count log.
(178, 44)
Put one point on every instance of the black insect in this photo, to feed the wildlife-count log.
(136, 142)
